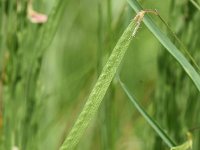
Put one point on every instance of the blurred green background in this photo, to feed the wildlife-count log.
(87, 32)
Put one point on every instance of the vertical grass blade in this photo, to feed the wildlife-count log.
(170, 47)
(151, 122)
(99, 89)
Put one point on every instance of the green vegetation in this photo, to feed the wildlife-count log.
(69, 70)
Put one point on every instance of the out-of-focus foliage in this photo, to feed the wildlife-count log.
(48, 70)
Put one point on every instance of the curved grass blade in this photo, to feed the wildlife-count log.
(170, 47)
(180, 43)
(99, 90)
(151, 122)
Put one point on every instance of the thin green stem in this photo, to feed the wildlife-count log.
(151, 121)
(181, 44)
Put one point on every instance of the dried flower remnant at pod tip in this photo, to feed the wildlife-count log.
(139, 17)
(35, 17)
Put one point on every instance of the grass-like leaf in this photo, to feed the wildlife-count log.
(151, 121)
(170, 47)
(99, 89)
(181, 44)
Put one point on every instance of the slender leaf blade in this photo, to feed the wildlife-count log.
(170, 47)
(151, 122)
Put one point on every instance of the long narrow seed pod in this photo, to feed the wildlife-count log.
(102, 84)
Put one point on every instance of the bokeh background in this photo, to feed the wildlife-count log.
(86, 33)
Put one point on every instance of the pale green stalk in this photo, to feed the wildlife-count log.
(99, 90)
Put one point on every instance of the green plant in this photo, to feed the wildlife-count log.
(48, 68)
